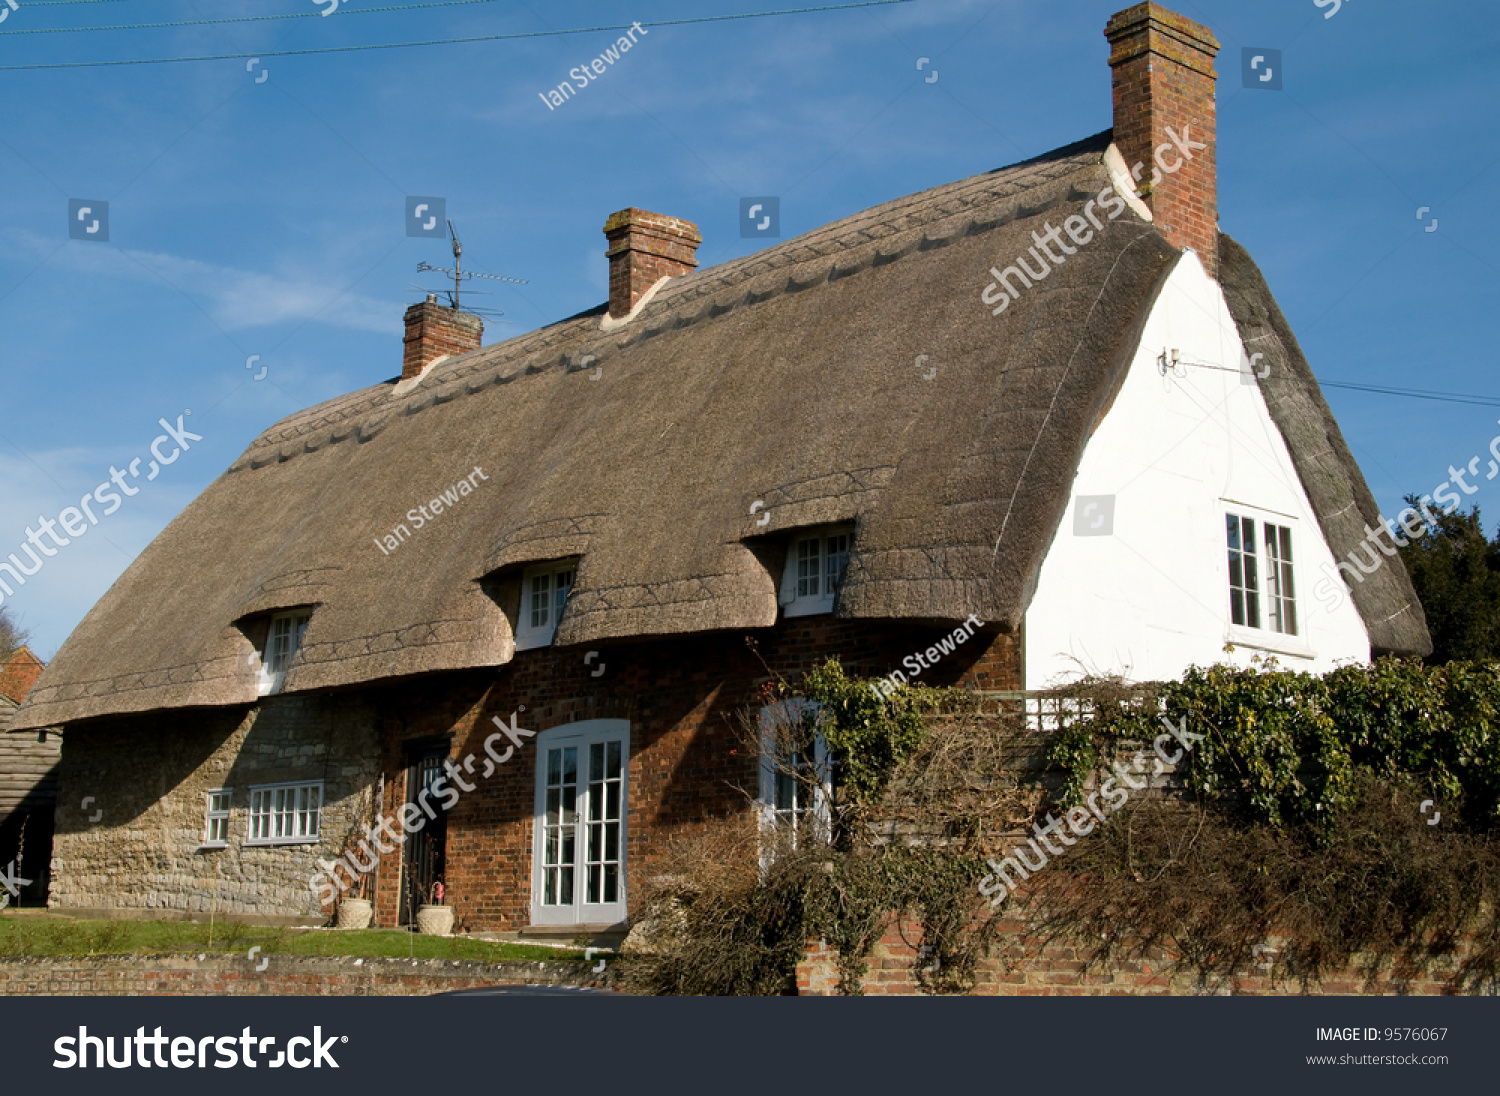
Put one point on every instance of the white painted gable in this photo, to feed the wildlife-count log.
(1179, 451)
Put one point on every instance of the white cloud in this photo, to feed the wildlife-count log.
(234, 299)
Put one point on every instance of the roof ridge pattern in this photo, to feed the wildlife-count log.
(894, 224)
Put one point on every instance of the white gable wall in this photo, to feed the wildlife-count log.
(1177, 452)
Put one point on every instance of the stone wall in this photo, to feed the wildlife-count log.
(148, 775)
(1024, 965)
(307, 976)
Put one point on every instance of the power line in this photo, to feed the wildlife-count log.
(235, 19)
(451, 41)
(1417, 393)
(1410, 393)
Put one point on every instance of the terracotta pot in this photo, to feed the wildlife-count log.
(355, 913)
(435, 920)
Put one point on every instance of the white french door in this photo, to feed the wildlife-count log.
(578, 855)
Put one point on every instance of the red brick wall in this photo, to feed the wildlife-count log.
(434, 331)
(19, 674)
(643, 249)
(1031, 966)
(1163, 66)
(686, 762)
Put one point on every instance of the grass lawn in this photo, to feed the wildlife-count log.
(42, 936)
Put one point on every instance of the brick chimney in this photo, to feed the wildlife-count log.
(434, 331)
(1164, 79)
(643, 249)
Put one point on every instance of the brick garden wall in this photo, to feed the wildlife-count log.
(308, 976)
(1022, 966)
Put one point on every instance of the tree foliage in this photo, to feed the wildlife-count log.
(1456, 572)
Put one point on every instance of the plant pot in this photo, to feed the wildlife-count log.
(355, 913)
(435, 920)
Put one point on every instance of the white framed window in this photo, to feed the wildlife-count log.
(796, 777)
(578, 858)
(283, 639)
(286, 814)
(1262, 581)
(544, 592)
(216, 818)
(816, 563)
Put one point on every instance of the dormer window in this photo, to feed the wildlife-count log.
(544, 592)
(283, 639)
(815, 566)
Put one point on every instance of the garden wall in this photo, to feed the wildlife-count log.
(1029, 966)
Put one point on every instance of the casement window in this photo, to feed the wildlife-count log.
(815, 567)
(796, 779)
(1262, 590)
(578, 860)
(283, 639)
(216, 819)
(286, 814)
(544, 592)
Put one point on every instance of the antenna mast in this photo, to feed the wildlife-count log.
(458, 273)
(458, 263)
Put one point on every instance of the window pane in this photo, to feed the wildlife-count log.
(612, 766)
(541, 586)
(1280, 589)
(1244, 604)
(838, 561)
(807, 567)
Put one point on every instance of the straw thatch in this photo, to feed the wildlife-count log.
(789, 377)
(1339, 495)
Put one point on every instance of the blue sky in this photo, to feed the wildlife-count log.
(266, 217)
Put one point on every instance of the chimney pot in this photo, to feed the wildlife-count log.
(434, 331)
(643, 249)
(1163, 76)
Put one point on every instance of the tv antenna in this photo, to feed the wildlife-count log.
(460, 275)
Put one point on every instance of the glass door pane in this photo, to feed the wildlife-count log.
(604, 821)
(560, 825)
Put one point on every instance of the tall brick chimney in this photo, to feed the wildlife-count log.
(1164, 78)
(434, 331)
(643, 249)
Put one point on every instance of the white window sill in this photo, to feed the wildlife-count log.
(264, 842)
(808, 607)
(530, 641)
(1259, 639)
(212, 846)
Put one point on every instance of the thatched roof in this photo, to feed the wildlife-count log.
(1339, 495)
(789, 376)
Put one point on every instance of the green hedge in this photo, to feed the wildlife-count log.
(1283, 748)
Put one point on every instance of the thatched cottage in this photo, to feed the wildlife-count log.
(1049, 407)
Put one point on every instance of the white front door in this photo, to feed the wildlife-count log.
(578, 856)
